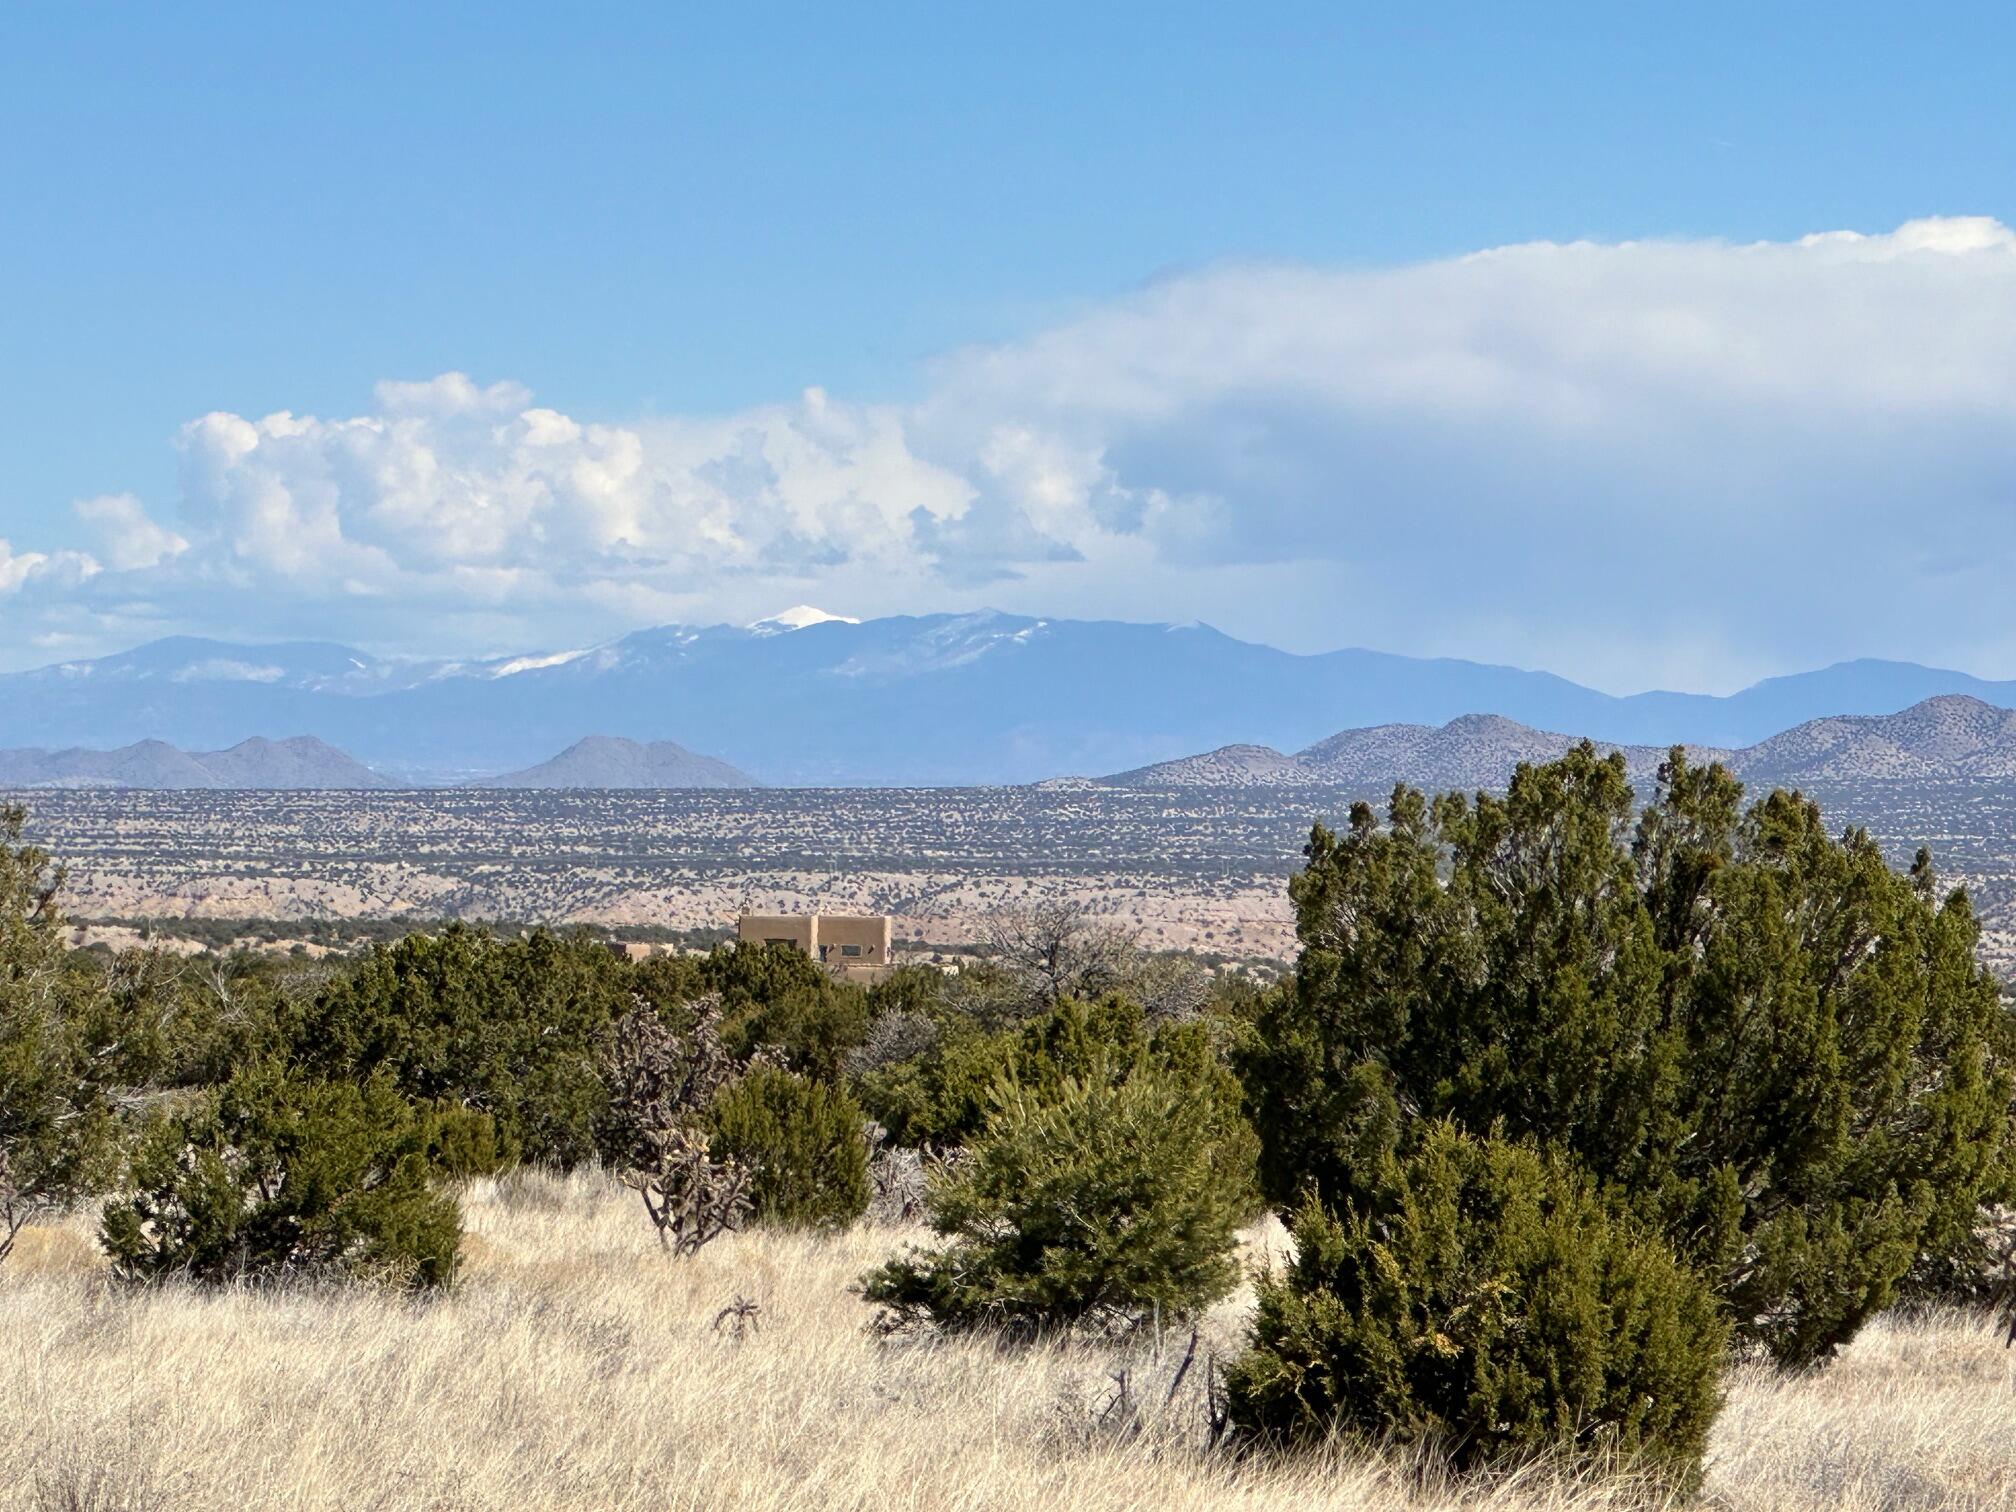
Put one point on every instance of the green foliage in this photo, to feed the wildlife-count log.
(1112, 1037)
(177, 1023)
(909, 988)
(460, 1142)
(940, 1097)
(55, 1123)
(278, 1177)
(1483, 1302)
(777, 996)
(805, 1142)
(1774, 1048)
(506, 1027)
(943, 1097)
(1098, 1200)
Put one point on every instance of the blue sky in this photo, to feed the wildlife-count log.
(906, 307)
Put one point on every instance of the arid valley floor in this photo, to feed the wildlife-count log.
(1192, 869)
(1197, 870)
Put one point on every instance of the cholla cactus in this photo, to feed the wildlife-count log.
(692, 1198)
(661, 1085)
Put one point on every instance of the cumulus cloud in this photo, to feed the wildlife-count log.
(131, 540)
(460, 489)
(1666, 461)
(46, 569)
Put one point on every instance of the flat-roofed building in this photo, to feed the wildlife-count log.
(857, 946)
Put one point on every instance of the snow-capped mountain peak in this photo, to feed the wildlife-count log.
(798, 617)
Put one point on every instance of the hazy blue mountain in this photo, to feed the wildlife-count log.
(1952, 737)
(605, 761)
(985, 697)
(297, 763)
(1475, 751)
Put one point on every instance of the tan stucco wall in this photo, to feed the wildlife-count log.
(825, 936)
(801, 930)
(871, 933)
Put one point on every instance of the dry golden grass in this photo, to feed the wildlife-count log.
(577, 1367)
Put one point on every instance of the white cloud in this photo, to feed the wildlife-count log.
(131, 540)
(1650, 461)
(474, 490)
(48, 569)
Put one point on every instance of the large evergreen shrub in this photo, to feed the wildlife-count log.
(275, 1177)
(777, 997)
(805, 1141)
(1483, 1302)
(507, 1027)
(1777, 1050)
(942, 1097)
(1100, 1200)
(55, 1121)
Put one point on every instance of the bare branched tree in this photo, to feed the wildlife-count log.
(1168, 987)
(1055, 949)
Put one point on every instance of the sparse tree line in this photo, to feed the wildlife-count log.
(1564, 1102)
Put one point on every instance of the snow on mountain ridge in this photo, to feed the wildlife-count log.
(800, 617)
(519, 664)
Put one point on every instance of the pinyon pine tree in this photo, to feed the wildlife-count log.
(275, 1177)
(1101, 1200)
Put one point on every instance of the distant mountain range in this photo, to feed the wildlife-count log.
(808, 699)
(1948, 738)
(607, 761)
(302, 762)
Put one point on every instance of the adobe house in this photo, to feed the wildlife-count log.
(857, 946)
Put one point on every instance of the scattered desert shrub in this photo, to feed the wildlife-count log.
(1485, 1306)
(1040, 955)
(908, 988)
(562, 1366)
(1113, 1037)
(276, 1177)
(1777, 1050)
(461, 1143)
(803, 1140)
(941, 1097)
(1099, 1201)
(898, 1036)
